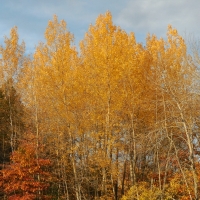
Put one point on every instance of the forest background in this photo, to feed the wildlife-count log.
(115, 119)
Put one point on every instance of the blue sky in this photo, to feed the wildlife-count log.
(139, 16)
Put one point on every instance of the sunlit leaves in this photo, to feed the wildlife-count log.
(115, 117)
(11, 56)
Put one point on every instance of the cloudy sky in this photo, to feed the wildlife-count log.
(139, 16)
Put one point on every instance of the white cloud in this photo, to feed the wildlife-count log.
(153, 16)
